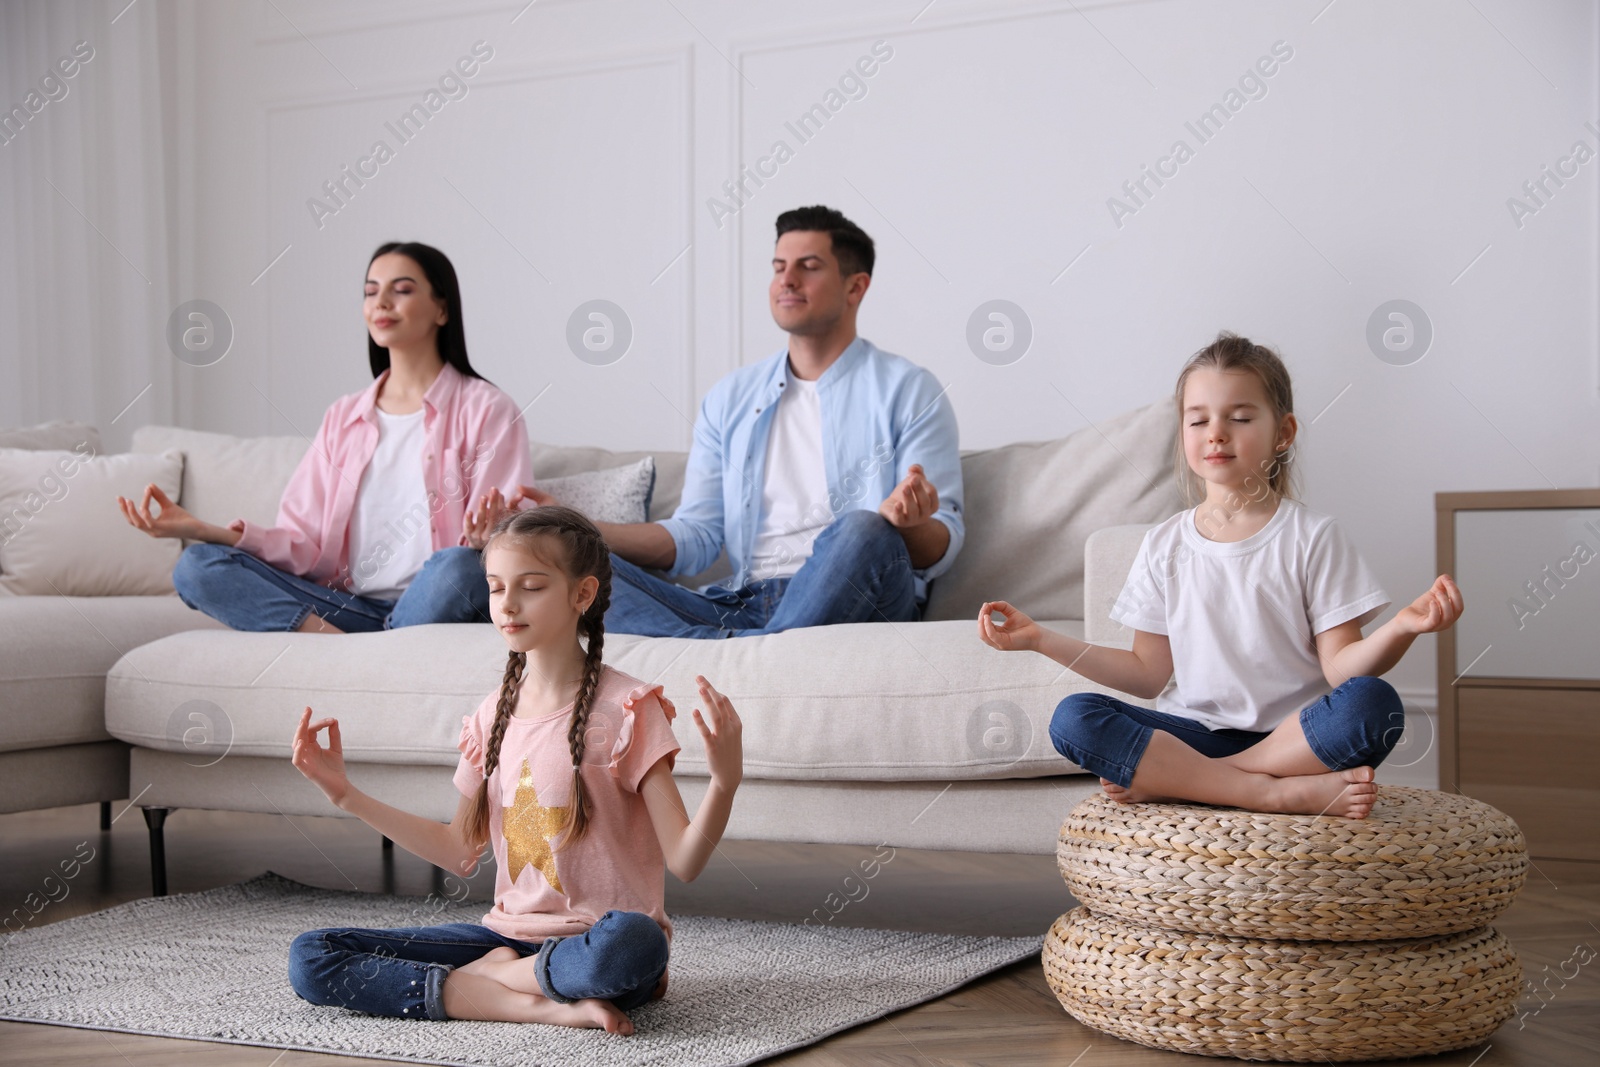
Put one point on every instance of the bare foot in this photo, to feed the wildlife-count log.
(470, 994)
(1129, 795)
(585, 1014)
(661, 987)
(1349, 794)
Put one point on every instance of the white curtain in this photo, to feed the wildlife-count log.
(86, 214)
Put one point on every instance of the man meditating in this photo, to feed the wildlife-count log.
(830, 471)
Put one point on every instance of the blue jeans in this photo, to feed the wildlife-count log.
(236, 588)
(401, 973)
(859, 570)
(1356, 725)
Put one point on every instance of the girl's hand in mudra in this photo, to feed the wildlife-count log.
(1015, 634)
(477, 524)
(1437, 609)
(724, 748)
(324, 766)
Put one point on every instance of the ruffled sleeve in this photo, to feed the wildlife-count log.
(469, 769)
(644, 737)
(623, 743)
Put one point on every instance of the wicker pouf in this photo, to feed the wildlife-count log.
(1255, 999)
(1423, 863)
(1289, 937)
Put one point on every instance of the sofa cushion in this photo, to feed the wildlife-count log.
(1030, 507)
(54, 655)
(62, 534)
(866, 701)
(227, 477)
(60, 436)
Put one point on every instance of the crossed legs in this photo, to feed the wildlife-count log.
(1319, 762)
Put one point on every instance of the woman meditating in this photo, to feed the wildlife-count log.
(375, 529)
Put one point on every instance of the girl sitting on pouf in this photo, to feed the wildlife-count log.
(1252, 605)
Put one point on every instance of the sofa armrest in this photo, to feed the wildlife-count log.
(1108, 555)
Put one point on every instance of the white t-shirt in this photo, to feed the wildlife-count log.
(1242, 616)
(794, 492)
(391, 534)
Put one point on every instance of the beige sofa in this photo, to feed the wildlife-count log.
(914, 734)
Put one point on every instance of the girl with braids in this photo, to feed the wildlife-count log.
(566, 773)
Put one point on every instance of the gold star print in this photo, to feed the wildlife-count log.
(528, 827)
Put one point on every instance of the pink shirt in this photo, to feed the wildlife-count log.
(541, 890)
(475, 440)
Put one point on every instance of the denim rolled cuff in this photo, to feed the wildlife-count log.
(1351, 726)
(1334, 761)
(1133, 738)
(300, 616)
(1121, 771)
(542, 970)
(433, 991)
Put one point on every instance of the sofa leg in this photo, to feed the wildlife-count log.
(156, 818)
(388, 846)
(105, 815)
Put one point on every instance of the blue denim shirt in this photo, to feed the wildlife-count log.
(880, 414)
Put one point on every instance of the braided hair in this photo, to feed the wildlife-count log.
(583, 553)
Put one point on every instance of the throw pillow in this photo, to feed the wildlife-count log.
(61, 532)
(559, 461)
(620, 494)
(54, 436)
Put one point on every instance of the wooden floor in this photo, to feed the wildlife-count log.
(1009, 1018)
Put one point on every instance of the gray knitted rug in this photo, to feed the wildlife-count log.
(213, 966)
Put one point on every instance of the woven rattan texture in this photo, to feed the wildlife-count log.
(1423, 863)
(1316, 1001)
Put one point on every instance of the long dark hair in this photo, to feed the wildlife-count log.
(583, 552)
(441, 275)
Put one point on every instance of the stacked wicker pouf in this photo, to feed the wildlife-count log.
(1288, 937)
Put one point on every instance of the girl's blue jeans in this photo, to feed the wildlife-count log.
(401, 973)
(236, 588)
(1356, 725)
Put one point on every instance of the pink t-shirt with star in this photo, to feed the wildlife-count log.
(542, 890)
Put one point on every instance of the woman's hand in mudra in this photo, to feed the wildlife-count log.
(171, 521)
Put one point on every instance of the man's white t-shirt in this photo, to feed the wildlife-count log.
(391, 533)
(794, 493)
(1242, 616)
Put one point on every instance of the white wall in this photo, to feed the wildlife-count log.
(1377, 166)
